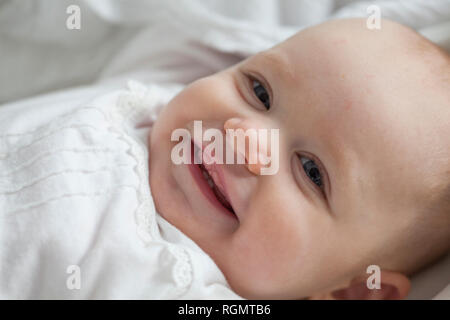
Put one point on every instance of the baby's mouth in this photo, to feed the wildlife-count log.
(210, 175)
(215, 189)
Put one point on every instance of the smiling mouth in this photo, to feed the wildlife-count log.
(219, 195)
(209, 187)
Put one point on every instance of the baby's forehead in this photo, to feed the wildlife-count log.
(393, 39)
(347, 49)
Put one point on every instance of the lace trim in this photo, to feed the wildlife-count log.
(132, 106)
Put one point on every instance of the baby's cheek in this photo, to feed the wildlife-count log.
(266, 259)
(280, 241)
(277, 230)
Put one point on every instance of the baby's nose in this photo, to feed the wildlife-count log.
(243, 135)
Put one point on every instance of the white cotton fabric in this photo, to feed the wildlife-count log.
(74, 190)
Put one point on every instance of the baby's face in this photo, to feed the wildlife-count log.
(353, 159)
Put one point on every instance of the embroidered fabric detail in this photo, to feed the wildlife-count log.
(71, 195)
(132, 105)
(41, 156)
(7, 189)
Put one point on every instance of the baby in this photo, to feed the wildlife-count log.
(364, 164)
(362, 179)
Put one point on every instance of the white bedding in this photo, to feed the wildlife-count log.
(175, 41)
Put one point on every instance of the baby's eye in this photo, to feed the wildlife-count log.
(261, 93)
(312, 171)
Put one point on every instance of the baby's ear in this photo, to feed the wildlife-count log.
(393, 286)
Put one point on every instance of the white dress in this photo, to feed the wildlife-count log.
(77, 219)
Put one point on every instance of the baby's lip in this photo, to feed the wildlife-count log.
(217, 174)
